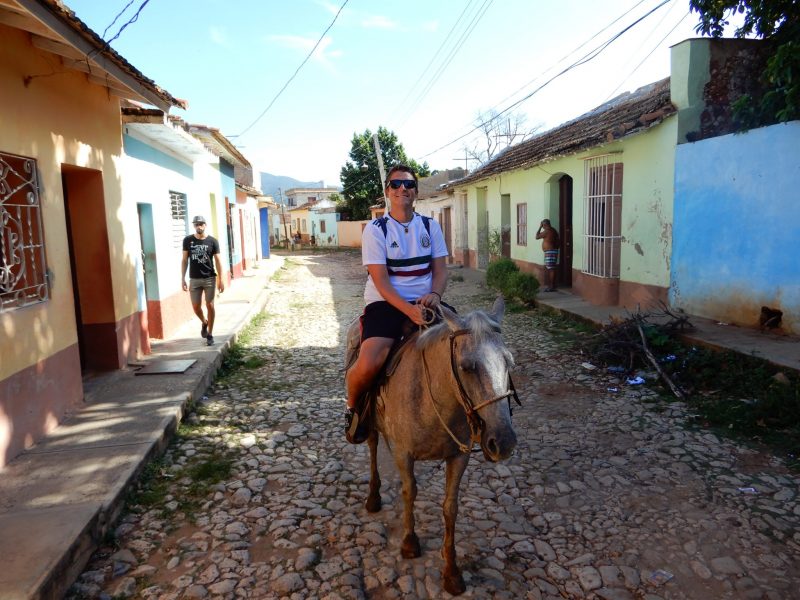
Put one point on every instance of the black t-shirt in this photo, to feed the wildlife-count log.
(201, 256)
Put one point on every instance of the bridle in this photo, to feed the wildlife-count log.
(470, 408)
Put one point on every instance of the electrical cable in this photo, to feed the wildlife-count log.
(636, 68)
(435, 76)
(436, 54)
(258, 118)
(583, 60)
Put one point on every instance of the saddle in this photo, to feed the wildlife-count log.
(368, 403)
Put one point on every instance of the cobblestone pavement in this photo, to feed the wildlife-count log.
(608, 494)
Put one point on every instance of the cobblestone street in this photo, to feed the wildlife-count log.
(609, 494)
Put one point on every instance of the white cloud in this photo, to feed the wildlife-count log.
(329, 6)
(218, 36)
(321, 55)
(378, 22)
(430, 26)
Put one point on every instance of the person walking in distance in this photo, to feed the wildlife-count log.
(550, 242)
(198, 250)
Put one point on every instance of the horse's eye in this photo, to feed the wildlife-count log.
(467, 365)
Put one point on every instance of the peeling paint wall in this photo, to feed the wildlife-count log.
(737, 226)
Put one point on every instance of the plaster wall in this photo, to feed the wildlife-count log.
(62, 120)
(737, 226)
(350, 233)
(647, 191)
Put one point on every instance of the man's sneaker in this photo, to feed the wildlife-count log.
(355, 431)
(210, 340)
(204, 330)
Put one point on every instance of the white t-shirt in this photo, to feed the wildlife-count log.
(407, 256)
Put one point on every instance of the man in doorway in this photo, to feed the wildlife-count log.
(405, 255)
(550, 242)
(198, 250)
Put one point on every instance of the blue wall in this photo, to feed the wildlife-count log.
(736, 233)
(264, 217)
(142, 151)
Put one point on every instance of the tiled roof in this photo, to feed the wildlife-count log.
(59, 18)
(626, 115)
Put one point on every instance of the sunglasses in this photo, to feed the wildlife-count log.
(409, 184)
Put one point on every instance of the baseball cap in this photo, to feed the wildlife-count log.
(199, 219)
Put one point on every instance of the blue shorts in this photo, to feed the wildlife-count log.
(550, 259)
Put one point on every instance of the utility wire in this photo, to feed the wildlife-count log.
(436, 54)
(119, 14)
(563, 58)
(434, 78)
(658, 45)
(583, 60)
(246, 129)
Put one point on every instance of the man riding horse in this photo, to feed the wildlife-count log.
(404, 253)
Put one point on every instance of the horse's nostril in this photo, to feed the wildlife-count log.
(491, 445)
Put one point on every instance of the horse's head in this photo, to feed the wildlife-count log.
(480, 362)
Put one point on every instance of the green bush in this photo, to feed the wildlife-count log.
(522, 286)
(497, 273)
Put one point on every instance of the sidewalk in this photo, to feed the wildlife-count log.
(781, 350)
(58, 499)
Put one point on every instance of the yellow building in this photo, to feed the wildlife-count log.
(69, 247)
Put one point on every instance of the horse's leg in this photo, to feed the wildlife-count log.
(451, 574)
(373, 503)
(410, 546)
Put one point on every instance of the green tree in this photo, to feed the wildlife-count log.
(778, 22)
(360, 176)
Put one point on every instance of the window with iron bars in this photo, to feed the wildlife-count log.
(602, 215)
(180, 218)
(23, 270)
(522, 224)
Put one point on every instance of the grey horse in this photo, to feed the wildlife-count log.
(445, 392)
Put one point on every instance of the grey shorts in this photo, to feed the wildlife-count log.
(198, 286)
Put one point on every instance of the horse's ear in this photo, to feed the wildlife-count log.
(451, 319)
(498, 310)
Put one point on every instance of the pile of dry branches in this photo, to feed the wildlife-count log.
(624, 342)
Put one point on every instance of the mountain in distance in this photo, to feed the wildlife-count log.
(271, 183)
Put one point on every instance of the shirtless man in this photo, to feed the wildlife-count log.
(550, 243)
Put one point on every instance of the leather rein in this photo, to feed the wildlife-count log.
(470, 408)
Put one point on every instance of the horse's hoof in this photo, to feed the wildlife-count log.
(454, 584)
(373, 504)
(410, 547)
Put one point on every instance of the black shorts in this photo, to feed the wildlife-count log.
(381, 319)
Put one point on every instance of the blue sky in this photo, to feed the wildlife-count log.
(376, 66)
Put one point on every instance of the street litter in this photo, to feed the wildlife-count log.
(721, 323)
(660, 577)
(748, 490)
(616, 369)
(613, 389)
(635, 381)
(588, 366)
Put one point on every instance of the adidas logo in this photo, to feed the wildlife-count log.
(394, 245)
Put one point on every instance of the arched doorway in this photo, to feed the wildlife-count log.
(564, 274)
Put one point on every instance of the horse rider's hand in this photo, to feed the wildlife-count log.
(417, 314)
(430, 300)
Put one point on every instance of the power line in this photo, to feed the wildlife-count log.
(435, 77)
(119, 14)
(563, 58)
(658, 45)
(246, 129)
(583, 60)
(412, 89)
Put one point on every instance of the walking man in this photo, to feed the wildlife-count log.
(198, 250)
(549, 236)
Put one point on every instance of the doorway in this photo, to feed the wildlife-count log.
(564, 273)
(505, 225)
(90, 265)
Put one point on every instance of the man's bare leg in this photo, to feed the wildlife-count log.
(371, 356)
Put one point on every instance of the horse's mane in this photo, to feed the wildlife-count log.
(478, 322)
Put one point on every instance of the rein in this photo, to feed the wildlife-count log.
(476, 423)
